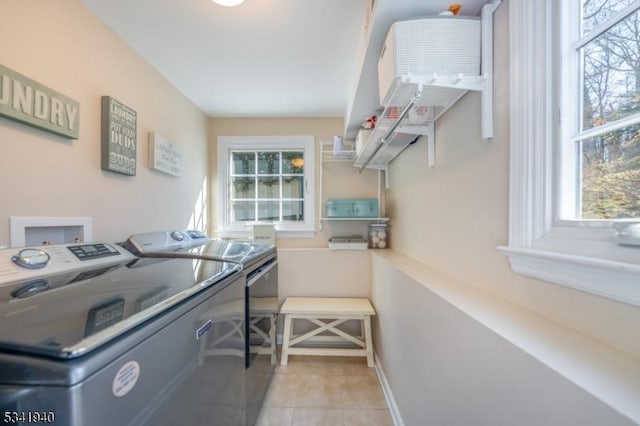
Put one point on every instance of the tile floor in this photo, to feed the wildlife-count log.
(332, 391)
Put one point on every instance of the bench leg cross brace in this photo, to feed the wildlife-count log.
(289, 340)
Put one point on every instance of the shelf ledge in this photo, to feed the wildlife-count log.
(364, 219)
(452, 81)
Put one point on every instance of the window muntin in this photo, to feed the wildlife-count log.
(267, 179)
(604, 163)
(267, 186)
(611, 64)
(595, 12)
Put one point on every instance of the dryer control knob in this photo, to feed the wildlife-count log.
(177, 235)
(31, 258)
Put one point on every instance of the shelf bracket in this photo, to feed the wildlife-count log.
(431, 145)
(321, 188)
(487, 67)
(393, 127)
(386, 177)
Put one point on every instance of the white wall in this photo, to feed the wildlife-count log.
(444, 367)
(450, 219)
(323, 273)
(453, 217)
(61, 45)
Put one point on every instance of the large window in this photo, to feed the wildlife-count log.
(601, 131)
(265, 180)
(575, 142)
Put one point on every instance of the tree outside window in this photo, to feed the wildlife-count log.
(609, 161)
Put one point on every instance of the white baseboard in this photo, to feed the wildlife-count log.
(388, 395)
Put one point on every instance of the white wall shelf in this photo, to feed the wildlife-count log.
(328, 154)
(355, 219)
(343, 156)
(348, 154)
(414, 102)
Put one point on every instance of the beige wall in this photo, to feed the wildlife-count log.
(452, 217)
(340, 179)
(61, 45)
(476, 361)
(323, 273)
(445, 364)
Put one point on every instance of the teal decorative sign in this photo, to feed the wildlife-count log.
(119, 137)
(29, 102)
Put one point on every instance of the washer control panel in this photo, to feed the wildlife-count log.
(162, 241)
(32, 262)
(93, 251)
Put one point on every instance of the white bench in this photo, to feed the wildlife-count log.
(339, 310)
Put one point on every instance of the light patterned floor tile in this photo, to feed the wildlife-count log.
(342, 366)
(282, 390)
(297, 364)
(363, 392)
(275, 417)
(318, 417)
(325, 390)
(317, 391)
(366, 417)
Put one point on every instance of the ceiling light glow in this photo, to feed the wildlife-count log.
(228, 3)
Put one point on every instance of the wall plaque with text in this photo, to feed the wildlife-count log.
(29, 102)
(164, 155)
(119, 137)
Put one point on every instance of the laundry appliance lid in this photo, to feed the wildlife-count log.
(241, 252)
(69, 314)
(195, 244)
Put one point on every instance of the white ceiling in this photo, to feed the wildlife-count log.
(264, 58)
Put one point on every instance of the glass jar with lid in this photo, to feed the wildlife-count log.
(378, 235)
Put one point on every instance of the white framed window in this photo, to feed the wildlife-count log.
(568, 115)
(600, 110)
(266, 179)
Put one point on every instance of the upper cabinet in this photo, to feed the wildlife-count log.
(422, 66)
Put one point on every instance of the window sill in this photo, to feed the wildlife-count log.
(614, 279)
(280, 233)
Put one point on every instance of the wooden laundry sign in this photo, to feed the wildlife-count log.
(29, 102)
(119, 137)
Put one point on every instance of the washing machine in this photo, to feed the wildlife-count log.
(259, 263)
(92, 335)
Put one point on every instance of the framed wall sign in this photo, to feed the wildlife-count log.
(164, 155)
(29, 102)
(119, 137)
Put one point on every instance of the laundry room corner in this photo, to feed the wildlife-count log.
(61, 45)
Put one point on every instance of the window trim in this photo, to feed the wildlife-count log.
(225, 144)
(576, 254)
